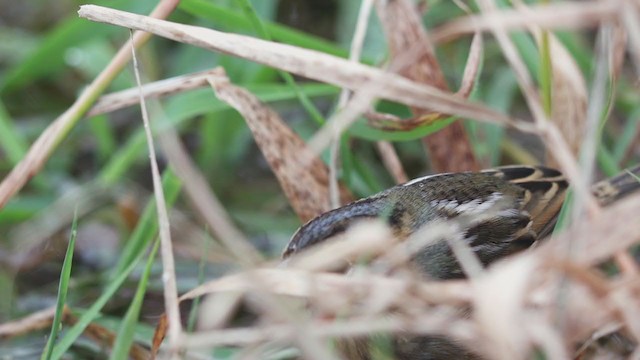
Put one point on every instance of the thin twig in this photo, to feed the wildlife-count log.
(391, 161)
(168, 264)
(354, 56)
(121, 99)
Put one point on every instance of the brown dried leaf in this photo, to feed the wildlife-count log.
(158, 335)
(303, 177)
(411, 50)
(413, 55)
(450, 150)
(569, 97)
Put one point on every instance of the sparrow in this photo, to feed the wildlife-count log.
(506, 209)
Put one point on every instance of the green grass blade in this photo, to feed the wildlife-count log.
(127, 328)
(565, 213)
(104, 135)
(65, 275)
(528, 51)
(94, 311)
(23, 208)
(607, 162)
(12, 142)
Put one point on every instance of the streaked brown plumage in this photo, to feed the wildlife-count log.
(506, 210)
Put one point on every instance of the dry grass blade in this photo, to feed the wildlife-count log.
(49, 139)
(363, 240)
(166, 248)
(303, 177)
(392, 161)
(330, 292)
(560, 15)
(569, 97)
(357, 43)
(626, 302)
(631, 21)
(328, 287)
(412, 53)
(432, 323)
(307, 63)
(544, 335)
(124, 98)
(618, 49)
(472, 67)
(39, 320)
(357, 105)
(218, 309)
(500, 313)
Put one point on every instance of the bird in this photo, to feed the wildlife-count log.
(505, 210)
